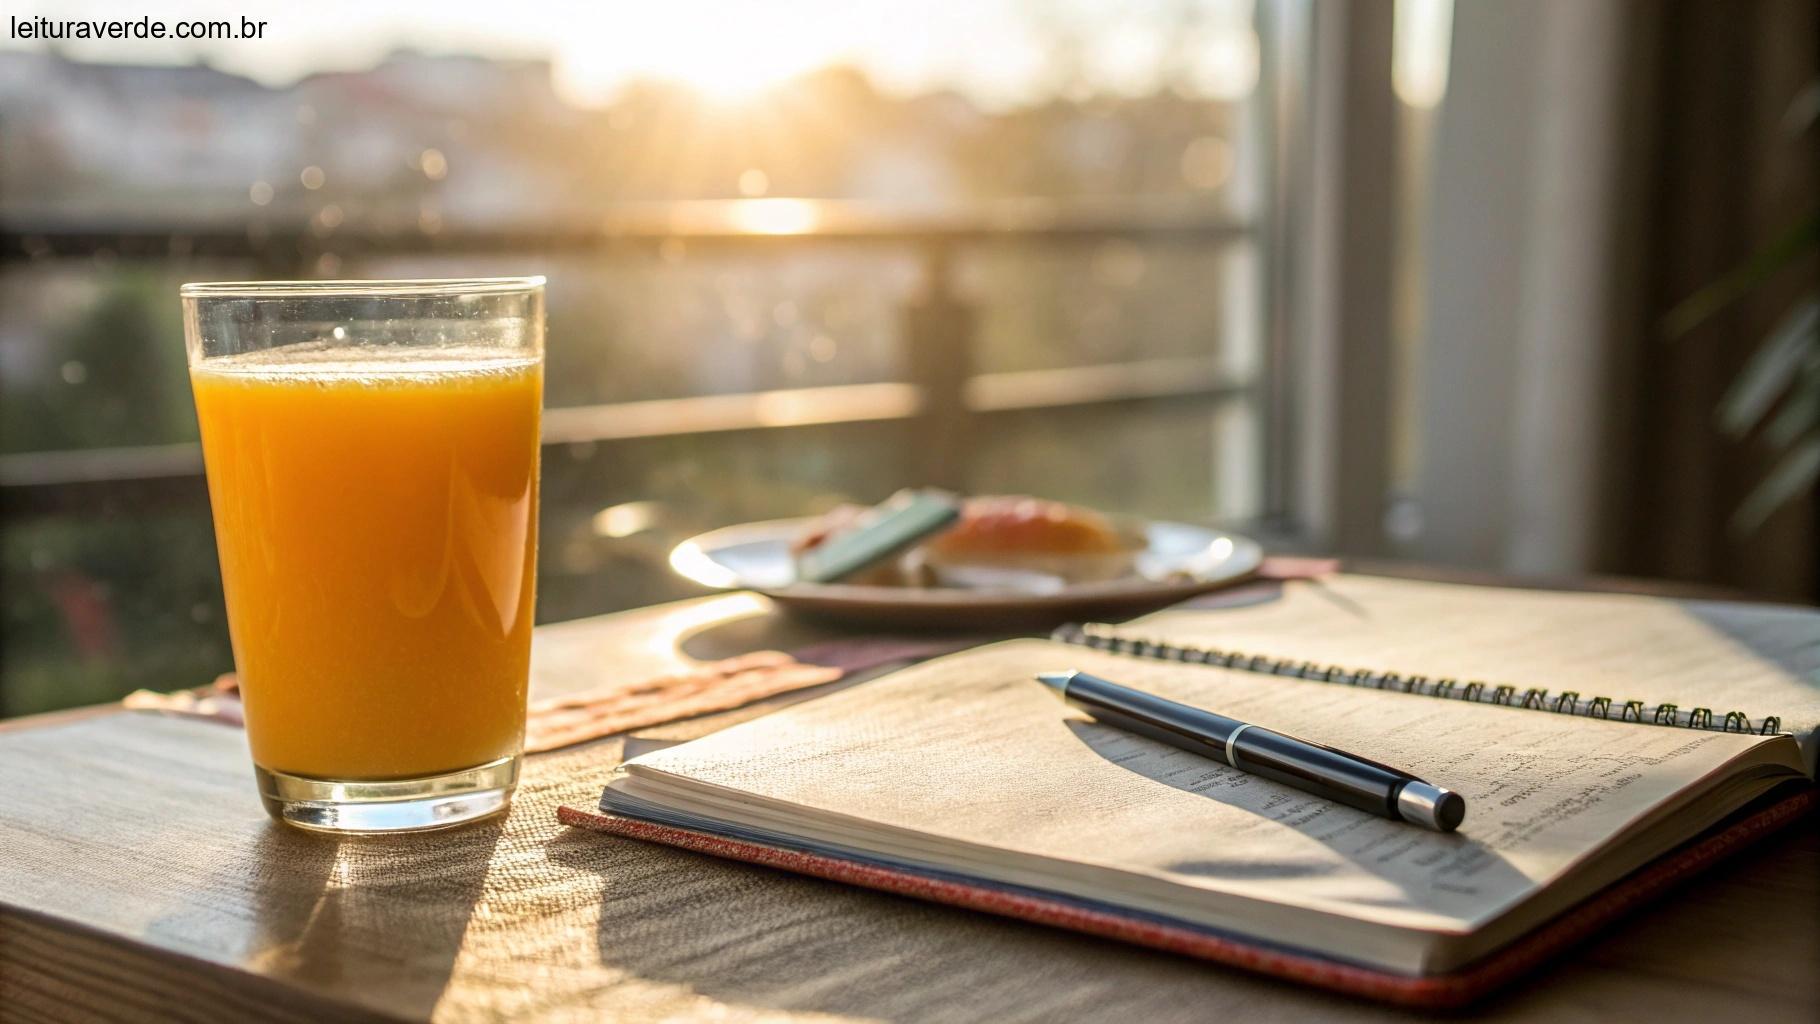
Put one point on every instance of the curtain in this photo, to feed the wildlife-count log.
(1713, 173)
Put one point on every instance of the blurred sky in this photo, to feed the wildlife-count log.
(998, 52)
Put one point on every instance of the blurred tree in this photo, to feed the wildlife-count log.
(117, 375)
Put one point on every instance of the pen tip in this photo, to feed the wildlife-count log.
(1057, 681)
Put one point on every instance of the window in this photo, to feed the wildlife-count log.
(996, 246)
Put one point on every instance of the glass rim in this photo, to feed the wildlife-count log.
(401, 288)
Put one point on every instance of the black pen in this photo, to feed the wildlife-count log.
(1321, 770)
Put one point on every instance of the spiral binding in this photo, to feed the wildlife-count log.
(1100, 637)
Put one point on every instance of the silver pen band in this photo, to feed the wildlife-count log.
(1232, 751)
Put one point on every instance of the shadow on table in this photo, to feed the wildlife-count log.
(378, 921)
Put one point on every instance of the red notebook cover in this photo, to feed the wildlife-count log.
(1434, 991)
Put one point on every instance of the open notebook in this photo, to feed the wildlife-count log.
(962, 779)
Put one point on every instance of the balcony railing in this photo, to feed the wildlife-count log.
(939, 402)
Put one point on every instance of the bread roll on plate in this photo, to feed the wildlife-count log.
(1017, 542)
(1001, 542)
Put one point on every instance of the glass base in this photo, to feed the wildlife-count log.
(390, 805)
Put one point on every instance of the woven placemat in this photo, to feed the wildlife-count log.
(557, 722)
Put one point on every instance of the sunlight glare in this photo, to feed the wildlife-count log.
(774, 216)
(741, 57)
(1422, 41)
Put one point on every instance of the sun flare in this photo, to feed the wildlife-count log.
(733, 63)
(775, 216)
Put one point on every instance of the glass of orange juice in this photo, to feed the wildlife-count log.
(372, 458)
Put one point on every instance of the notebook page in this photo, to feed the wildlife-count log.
(969, 748)
(1726, 656)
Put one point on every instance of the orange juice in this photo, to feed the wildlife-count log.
(376, 519)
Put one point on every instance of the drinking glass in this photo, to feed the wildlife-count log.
(372, 458)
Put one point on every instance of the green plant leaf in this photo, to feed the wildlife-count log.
(1795, 473)
(1779, 252)
(1800, 412)
(1771, 368)
(1803, 111)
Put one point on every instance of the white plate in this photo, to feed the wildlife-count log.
(1178, 561)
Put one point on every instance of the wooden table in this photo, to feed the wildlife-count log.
(140, 880)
